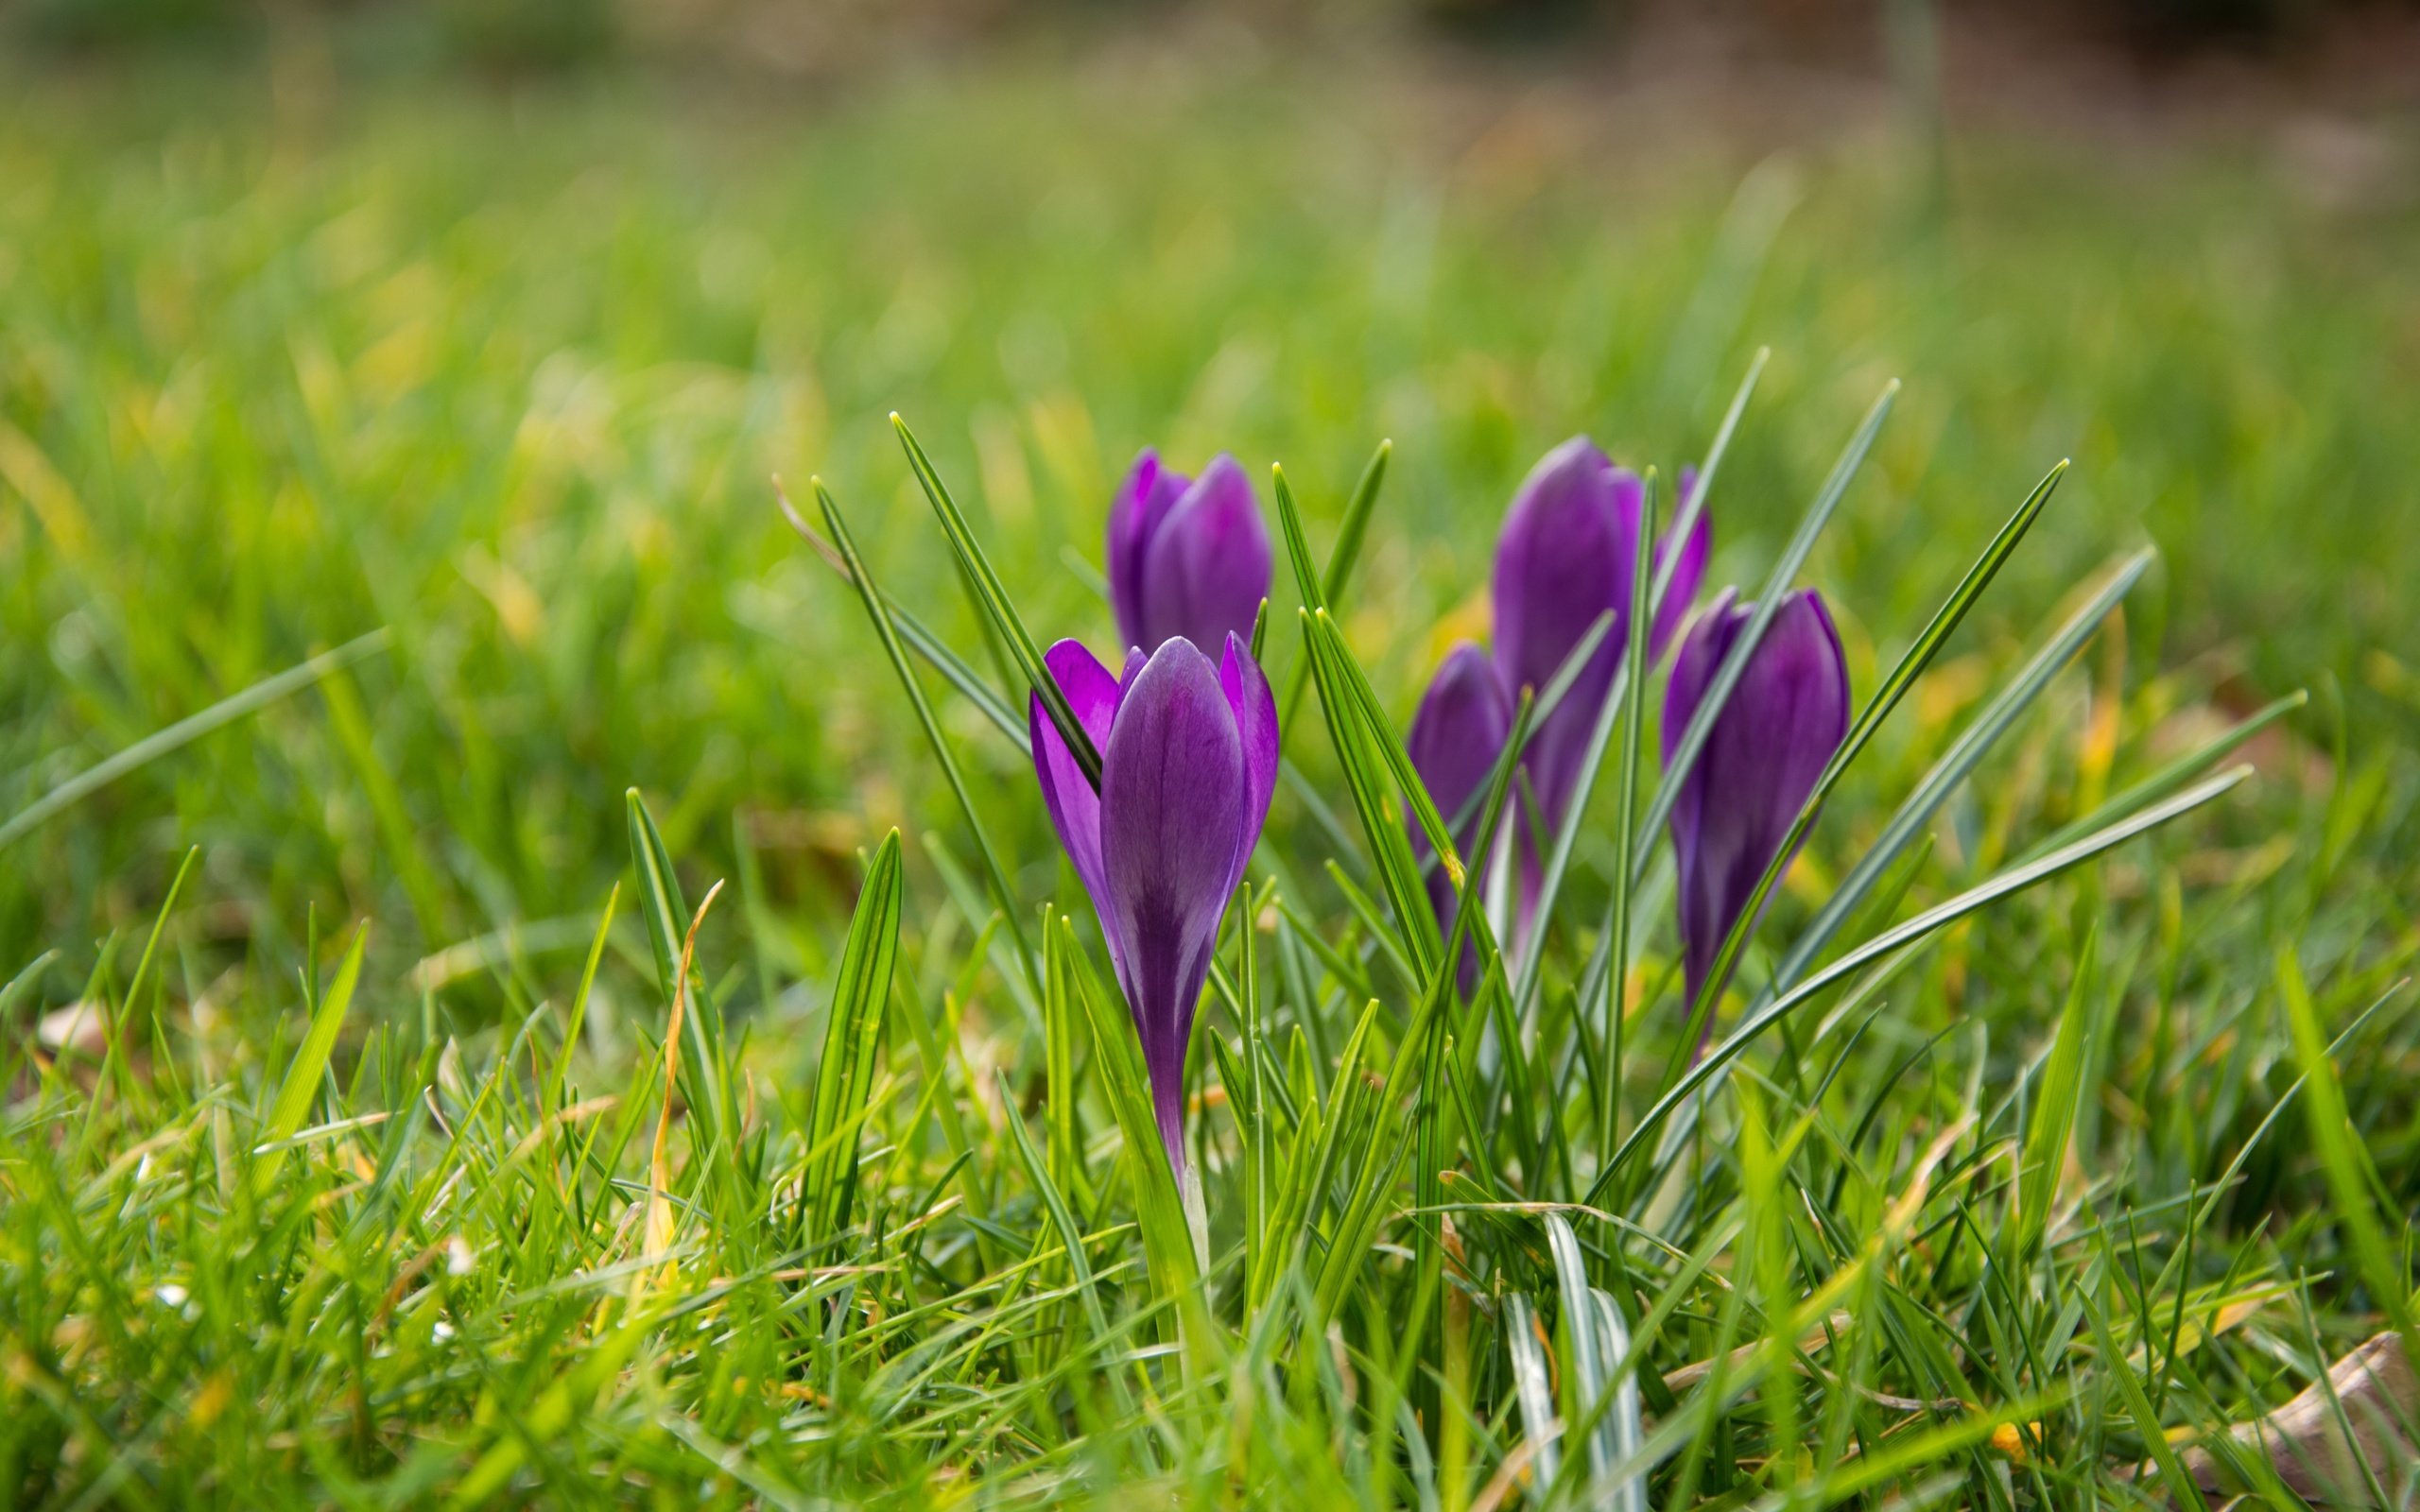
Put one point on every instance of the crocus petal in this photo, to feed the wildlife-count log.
(1075, 808)
(1255, 710)
(1701, 654)
(1563, 560)
(1763, 755)
(1174, 793)
(1455, 738)
(1207, 568)
(1134, 517)
(1456, 735)
(1686, 575)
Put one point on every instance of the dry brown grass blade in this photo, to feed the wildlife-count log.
(660, 1219)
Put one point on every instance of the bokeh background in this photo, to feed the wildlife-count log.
(489, 323)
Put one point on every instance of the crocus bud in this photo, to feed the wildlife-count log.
(1186, 557)
(1565, 559)
(1674, 610)
(1455, 738)
(1786, 717)
(1189, 759)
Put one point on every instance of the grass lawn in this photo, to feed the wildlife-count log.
(338, 1164)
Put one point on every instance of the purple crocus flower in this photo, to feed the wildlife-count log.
(1786, 716)
(1565, 558)
(1189, 759)
(1455, 739)
(1186, 557)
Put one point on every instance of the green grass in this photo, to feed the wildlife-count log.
(499, 381)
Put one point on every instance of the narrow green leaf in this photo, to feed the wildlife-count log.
(1054, 1202)
(666, 913)
(869, 595)
(301, 1084)
(2181, 1490)
(2172, 776)
(579, 1000)
(1168, 1240)
(1298, 546)
(2350, 1176)
(1532, 1389)
(1309, 1184)
(1957, 762)
(1388, 744)
(1365, 777)
(1347, 550)
(1592, 1395)
(132, 1003)
(2017, 878)
(23, 982)
(2054, 1110)
(1340, 563)
(1785, 571)
(1878, 709)
(1250, 1099)
(994, 599)
(186, 732)
(1625, 820)
(852, 1035)
(1065, 1149)
(970, 683)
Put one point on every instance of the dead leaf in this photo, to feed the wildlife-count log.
(79, 1026)
(2305, 1440)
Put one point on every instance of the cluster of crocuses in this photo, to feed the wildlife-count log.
(1189, 746)
(1566, 560)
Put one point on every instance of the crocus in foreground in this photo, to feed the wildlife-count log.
(1187, 557)
(1188, 759)
(1786, 717)
(1455, 739)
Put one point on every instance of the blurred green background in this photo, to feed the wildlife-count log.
(490, 324)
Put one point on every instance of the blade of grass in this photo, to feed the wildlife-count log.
(1054, 1203)
(1059, 1063)
(1340, 561)
(844, 1079)
(1365, 777)
(1956, 763)
(2054, 1111)
(1168, 1242)
(1532, 1389)
(666, 913)
(995, 598)
(870, 595)
(579, 999)
(1634, 701)
(1388, 744)
(2015, 879)
(1878, 709)
(2350, 1176)
(301, 1080)
(970, 683)
(2113, 1360)
(2172, 776)
(187, 731)
(1785, 571)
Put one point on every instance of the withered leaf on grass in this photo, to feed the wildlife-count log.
(2305, 1441)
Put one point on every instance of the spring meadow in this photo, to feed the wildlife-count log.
(1451, 756)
